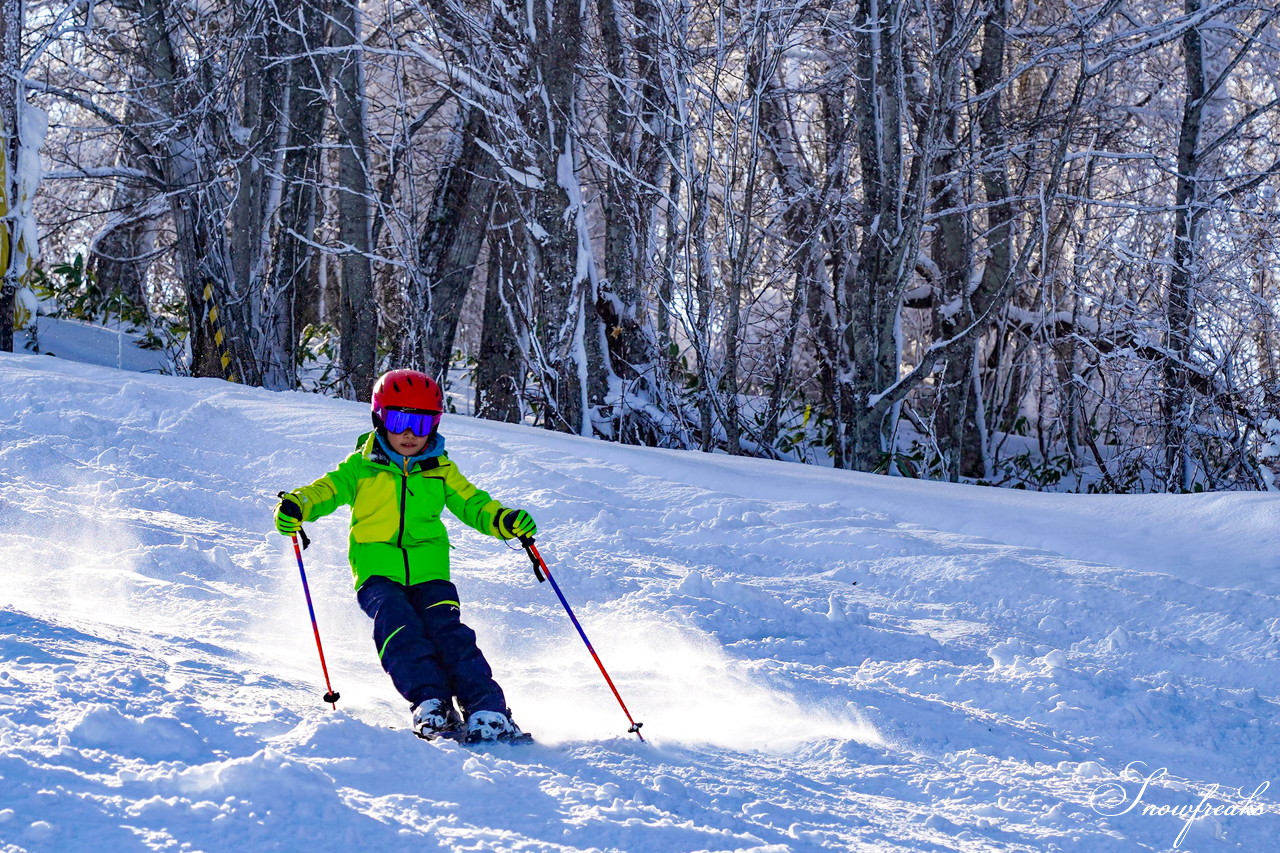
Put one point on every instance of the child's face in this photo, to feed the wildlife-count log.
(406, 443)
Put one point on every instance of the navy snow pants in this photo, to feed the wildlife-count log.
(424, 646)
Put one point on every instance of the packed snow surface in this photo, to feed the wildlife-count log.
(821, 659)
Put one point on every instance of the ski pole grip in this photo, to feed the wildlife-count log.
(527, 542)
(302, 534)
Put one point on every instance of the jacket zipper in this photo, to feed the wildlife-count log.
(404, 488)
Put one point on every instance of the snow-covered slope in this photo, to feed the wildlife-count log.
(822, 660)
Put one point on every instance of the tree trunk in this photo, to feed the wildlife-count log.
(453, 237)
(559, 250)
(699, 244)
(11, 18)
(260, 93)
(959, 436)
(179, 101)
(638, 126)
(258, 182)
(499, 382)
(873, 296)
(998, 267)
(828, 251)
(759, 68)
(1180, 308)
(952, 254)
(359, 315)
(290, 294)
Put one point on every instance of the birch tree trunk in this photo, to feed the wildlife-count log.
(11, 18)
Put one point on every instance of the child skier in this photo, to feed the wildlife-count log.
(397, 483)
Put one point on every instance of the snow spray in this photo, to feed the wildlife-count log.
(542, 573)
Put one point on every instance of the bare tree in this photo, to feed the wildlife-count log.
(359, 316)
(292, 254)
(500, 369)
(1200, 177)
(11, 21)
(455, 234)
(637, 149)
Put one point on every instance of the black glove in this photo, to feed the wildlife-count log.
(288, 515)
(515, 524)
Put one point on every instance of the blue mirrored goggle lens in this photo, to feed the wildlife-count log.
(419, 423)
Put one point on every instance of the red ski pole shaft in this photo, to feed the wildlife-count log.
(543, 573)
(330, 696)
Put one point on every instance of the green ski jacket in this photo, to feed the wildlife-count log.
(396, 531)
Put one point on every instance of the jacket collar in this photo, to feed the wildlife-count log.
(377, 450)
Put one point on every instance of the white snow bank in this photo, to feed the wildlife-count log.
(88, 343)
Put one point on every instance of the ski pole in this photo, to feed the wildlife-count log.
(541, 572)
(331, 696)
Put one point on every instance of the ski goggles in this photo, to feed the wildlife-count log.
(419, 423)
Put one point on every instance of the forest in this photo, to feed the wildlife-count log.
(1028, 244)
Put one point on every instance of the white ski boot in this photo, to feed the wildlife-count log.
(434, 718)
(490, 726)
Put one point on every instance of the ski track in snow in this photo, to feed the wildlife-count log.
(822, 660)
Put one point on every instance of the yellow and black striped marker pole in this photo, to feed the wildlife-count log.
(219, 337)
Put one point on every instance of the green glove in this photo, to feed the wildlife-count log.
(515, 523)
(288, 515)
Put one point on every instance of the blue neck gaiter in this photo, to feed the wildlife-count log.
(435, 447)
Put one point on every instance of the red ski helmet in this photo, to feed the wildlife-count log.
(405, 389)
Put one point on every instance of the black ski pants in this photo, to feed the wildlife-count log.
(424, 646)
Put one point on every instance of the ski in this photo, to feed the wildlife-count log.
(460, 737)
